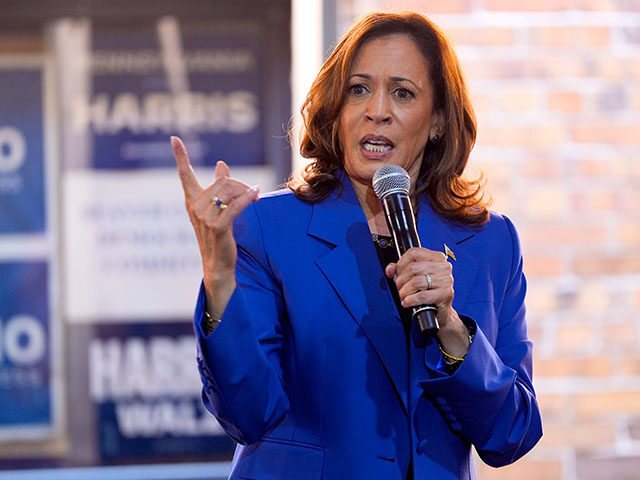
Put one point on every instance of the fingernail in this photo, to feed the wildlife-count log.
(256, 188)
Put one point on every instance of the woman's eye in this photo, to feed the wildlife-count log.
(404, 93)
(357, 89)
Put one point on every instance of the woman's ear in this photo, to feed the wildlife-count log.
(437, 126)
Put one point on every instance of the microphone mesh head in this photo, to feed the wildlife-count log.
(389, 179)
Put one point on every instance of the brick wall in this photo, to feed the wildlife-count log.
(556, 86)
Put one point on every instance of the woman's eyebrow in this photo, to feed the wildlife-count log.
(366, 76)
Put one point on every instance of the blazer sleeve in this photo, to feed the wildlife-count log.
(239, 361)
(490, 400)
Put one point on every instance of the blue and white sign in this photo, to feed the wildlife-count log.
(210, 95)
(144, 384)
(22, 207)
(126, 231)
(25, 364)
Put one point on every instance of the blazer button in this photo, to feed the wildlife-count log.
(456, 426)
(446, 409)
(441, 401)
(422, 446)
(450, 417)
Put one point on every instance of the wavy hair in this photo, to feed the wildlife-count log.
(443, 161)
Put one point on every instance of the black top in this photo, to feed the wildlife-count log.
(387, 253)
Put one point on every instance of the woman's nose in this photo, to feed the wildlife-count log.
(378, 108)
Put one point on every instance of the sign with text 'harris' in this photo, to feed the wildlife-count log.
(126, 233)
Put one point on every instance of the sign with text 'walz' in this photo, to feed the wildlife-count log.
(144, 384)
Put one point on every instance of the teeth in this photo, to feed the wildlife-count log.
(371, 147)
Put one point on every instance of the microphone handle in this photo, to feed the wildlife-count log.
(402, 224)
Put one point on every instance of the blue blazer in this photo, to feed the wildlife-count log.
(310, 370)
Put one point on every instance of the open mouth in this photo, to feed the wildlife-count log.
(376, 144)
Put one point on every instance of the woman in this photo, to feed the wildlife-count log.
(307, 354)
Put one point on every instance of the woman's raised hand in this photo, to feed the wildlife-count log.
(211, 211)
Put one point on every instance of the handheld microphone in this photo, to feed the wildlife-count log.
(391, 184)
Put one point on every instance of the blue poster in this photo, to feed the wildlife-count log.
(145, 387)
(21, 151)
(210, 95)
(25, 365)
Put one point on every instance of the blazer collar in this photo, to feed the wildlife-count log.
(353, 269)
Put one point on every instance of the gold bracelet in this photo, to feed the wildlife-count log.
(451, 357)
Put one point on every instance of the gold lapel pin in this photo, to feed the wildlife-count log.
(449, 253)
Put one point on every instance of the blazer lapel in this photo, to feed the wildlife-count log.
(354, 271)
(436, 232)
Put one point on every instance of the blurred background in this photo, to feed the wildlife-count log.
(99, 268)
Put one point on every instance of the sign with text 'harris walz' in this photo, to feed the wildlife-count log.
(145, 387)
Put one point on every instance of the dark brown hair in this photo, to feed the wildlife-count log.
(444, 161)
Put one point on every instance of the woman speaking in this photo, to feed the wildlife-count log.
(307, 349)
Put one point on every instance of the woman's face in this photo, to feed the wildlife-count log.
(387, 112)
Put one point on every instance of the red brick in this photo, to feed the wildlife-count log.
(450, 6)
(581, 36)
(541, 300)
(544, 168)
(528, 5)
(518, 99)
(620, 336)
(625, 134)
(544, 266)
(607, 404)
(630, 365)
(564, 366)
(549, 67)
(534, 136)
(568, 235)
(578, 435)
(585, 202)
(524, 469)
(592, 297)
(554, 406)
(487, 36)
(608, 5)
(629, 233)
(575, 337)
(601, 265)
(565, 101)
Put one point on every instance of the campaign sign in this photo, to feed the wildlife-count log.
(202, 85)
(25, 368)
(144, 382)
(21, 151)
